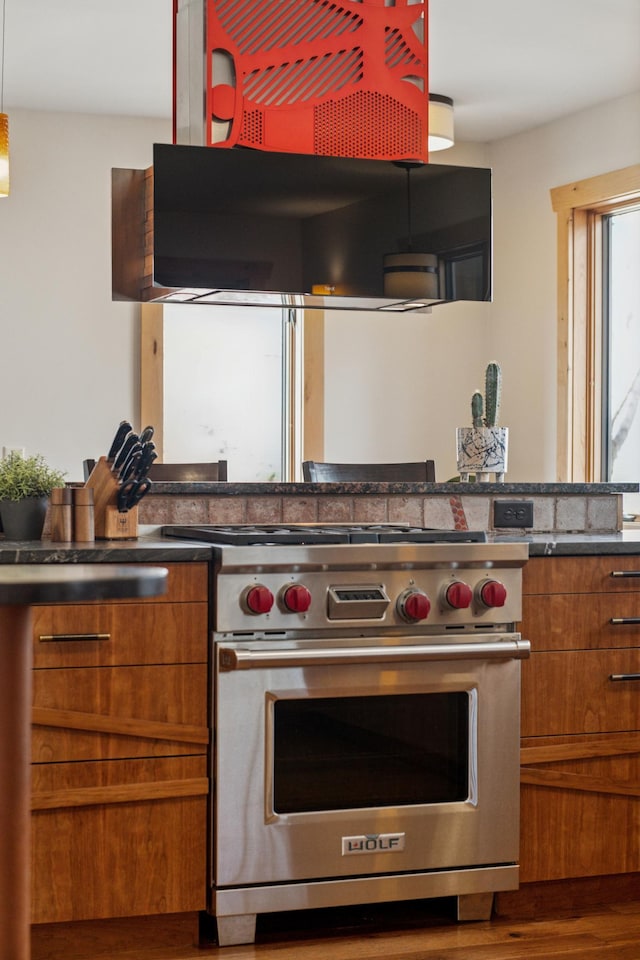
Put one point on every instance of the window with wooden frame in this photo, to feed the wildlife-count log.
(583, 209)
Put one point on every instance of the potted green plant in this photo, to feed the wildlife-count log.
(482, 448)
(25, 486)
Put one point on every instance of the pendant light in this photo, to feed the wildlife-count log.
(410, 274)
(440, 122)
(4, 123)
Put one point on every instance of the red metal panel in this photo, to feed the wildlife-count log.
(335, 77)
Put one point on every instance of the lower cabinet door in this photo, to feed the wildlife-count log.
(580, 806)
(118, 838)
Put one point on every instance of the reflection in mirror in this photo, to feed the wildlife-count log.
(464, 273)
(231, 225)
(219, 391)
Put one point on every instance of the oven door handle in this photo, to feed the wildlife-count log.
(242, 658)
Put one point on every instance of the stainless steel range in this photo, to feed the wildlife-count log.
(366, 714)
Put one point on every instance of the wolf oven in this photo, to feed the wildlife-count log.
(366, 715)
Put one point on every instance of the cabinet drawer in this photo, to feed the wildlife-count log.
(570, 692)
(119, 712)
(566, 621)
(581, 575)
(88, 635)
(140, 850)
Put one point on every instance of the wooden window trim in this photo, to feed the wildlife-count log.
(579, 207)
(152, 371)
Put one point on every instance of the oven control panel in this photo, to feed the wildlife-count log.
(274, 600)
(357, 603)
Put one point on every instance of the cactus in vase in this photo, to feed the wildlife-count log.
(485, 410)
(477, 407)
(482, 448)
(493, 389)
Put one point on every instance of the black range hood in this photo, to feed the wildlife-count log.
(246, 227)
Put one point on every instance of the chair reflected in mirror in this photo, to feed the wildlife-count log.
(189, 472)
(181, 472)
(314, 471)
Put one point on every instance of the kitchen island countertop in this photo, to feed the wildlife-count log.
(300, 488)
(152, 547)
(574, 544)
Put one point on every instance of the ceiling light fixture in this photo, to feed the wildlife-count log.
(4, 123)
(440, 122)
(410, 274)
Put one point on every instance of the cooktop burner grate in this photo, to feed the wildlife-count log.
(302, 533)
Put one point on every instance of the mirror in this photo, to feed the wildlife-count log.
(233, 221)
(224, 384)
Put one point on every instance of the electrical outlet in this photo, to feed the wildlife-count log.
(513, 513)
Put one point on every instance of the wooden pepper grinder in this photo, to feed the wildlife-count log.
(83, 514)
(61, 514)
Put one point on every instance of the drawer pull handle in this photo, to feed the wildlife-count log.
(618, 620)
(65, 637)
(618, 677)
(625, 573)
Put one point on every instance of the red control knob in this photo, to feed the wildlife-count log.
(297, 598)
(458, 595)
(414, 606)
(259, 599)
(493, 593)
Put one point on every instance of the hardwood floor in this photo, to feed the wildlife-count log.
(425, 931)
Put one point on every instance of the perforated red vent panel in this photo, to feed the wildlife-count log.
(335, 77)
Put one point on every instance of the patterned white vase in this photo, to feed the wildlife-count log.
(482, 451)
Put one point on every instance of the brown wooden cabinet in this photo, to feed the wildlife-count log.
(119, 750)
(580, 811)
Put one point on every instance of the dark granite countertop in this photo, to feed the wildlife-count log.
(152, 547)
(147, 548)
(575, 544)
(278, 488)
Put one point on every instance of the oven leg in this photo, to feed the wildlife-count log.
(475, 906)
(235, 930)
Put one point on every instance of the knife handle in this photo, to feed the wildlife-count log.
(125, 450)
(131, 493)
(127, 468)
(124, 429)
(148, 456)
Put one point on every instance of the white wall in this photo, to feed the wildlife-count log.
(69, 355)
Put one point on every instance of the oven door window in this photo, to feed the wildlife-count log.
(375, 751)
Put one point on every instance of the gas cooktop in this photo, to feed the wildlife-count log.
(310, 533)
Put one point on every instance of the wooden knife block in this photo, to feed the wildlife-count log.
(110, 523)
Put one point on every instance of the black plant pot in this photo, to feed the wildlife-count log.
(23, 519)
